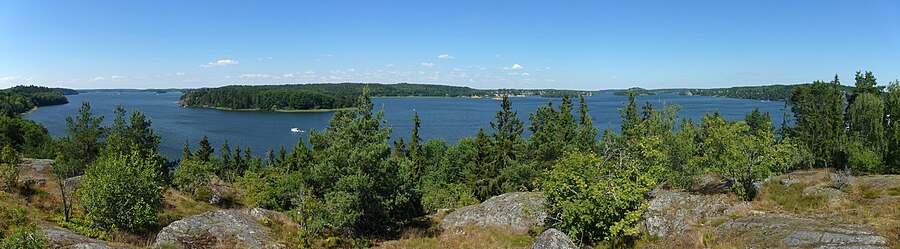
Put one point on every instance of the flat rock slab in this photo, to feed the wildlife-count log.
(781, 231)
(58, 237)
(516, 211)
(214, 229)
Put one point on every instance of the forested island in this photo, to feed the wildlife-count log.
(20, 99)
(352, 185)
(323, 96)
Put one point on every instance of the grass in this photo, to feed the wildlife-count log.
(791, 198)
(472, 238)
(177, 206)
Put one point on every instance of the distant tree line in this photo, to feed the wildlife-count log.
(771, 92)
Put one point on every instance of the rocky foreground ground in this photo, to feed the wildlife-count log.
(804, 209)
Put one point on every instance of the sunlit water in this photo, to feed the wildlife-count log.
(446, 118)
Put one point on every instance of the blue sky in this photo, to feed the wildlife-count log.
(481, 44)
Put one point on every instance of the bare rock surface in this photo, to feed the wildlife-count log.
(517, 211)
(784, 231)
(219, 228)
(57, 237)
(671, 213)
(36, 171)
(553, 239)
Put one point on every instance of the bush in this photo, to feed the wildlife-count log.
(192, 174)
(24, 237)
(447, 195)
(121, 192)
(861, 158)
(9, 173)
(591, 201)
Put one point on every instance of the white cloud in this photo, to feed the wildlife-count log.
(446, 56)
(99, 78)
(15, 79)
(427, 64)
(116, 77)
(254, 75)
(220, 63)
(514, 67)
(389, 65)
(287, 75)
(179, 73)
(526, 74)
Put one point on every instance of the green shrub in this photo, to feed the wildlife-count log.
(24, 237)
(447, 195)
(591, 201)
(192, 174)
(9, 173)
(121, 192)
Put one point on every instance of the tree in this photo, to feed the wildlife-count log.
(630, 118)
(186, 153)
(728, 148)
(121, 192)
(507, 134)
(866, 127)
(82, 145)
(818, 110)
(892, 126)
(205, 150)
(586, 134)
(78, 149)
(758, 121)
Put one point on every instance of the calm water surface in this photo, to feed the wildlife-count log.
(446, 118)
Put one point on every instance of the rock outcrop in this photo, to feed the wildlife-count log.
(517, 211)
(783, 231)
(671, 213)
(220, 228)
(553, 239)
(57, 237)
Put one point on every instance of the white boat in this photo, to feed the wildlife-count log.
(295, 129)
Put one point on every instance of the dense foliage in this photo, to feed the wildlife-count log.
(21, 99)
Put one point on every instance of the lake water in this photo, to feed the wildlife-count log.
(446, 118)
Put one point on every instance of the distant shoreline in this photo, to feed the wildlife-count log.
(276, 110)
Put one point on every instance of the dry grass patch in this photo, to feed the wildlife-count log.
(470, 238)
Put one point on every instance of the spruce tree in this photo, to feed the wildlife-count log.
(205, 150)
(631, 121)
(586, 133)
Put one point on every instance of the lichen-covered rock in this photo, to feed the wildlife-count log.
(517, 211)
(213, 229)
(57, 237)
(671, 213)
(783, 231)
(553, 239)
